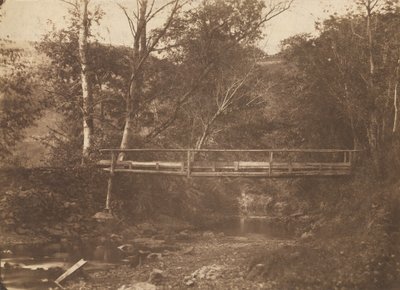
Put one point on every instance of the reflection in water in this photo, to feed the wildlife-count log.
(254, 217)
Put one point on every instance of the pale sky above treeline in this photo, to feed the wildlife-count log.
(28, 20)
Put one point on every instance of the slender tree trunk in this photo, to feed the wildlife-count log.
(396, 108)
(200, 142)
(128, 125)
(87, 95)
(373, 126)
(395, 101)
(207, 130)
(137, 78)
(370, 42)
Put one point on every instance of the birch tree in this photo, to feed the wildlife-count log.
(86, 82)
(79, 9)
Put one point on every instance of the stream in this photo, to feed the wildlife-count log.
(38, 266)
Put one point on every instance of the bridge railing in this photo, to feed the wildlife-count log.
(264, 163)
(231, 162)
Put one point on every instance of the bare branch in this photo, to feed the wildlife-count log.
(131, 24)
(151, 8)
(150, 15)
(277, 9)
(178, 105)
(162, 32)
(73, 4)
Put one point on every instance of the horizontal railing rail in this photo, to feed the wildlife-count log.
(231, 150)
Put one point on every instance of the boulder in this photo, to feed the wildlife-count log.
(208, 235)
(150, 244)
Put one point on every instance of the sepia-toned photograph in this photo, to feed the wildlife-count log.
(199, 144)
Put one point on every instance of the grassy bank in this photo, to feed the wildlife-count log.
(351, 243)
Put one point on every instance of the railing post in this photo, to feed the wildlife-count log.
(345, 157)
(188, 163)
(350, 157)
(110, 181)
(236, 165)
(271, 157)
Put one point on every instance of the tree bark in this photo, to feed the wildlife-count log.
(87, 95)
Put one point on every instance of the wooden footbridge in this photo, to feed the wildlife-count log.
(266, 163)
(261, 163)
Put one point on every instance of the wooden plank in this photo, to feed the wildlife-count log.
(108, 163)
(155, 164)
(236, 174)
(149, 171)
(262, 174)
(70, 271)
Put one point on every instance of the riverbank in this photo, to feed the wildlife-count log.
(312, 233)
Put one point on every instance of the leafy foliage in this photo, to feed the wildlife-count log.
(20, 100)
(349, 80)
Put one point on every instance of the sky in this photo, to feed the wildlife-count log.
(28, 20)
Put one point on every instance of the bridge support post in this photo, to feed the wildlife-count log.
(110, 182)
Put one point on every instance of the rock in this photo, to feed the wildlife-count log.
(100, 216)
(154, 256)
(183, 235)
(156, 276)
(188, 250)
(139, 286)
(241, 239)
(211, 272)
(150, 244)
(127, 248)
(189, 281)
(116, 238)
(209, 235)
(307, 235)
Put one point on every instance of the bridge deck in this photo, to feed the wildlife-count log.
(290, 163)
